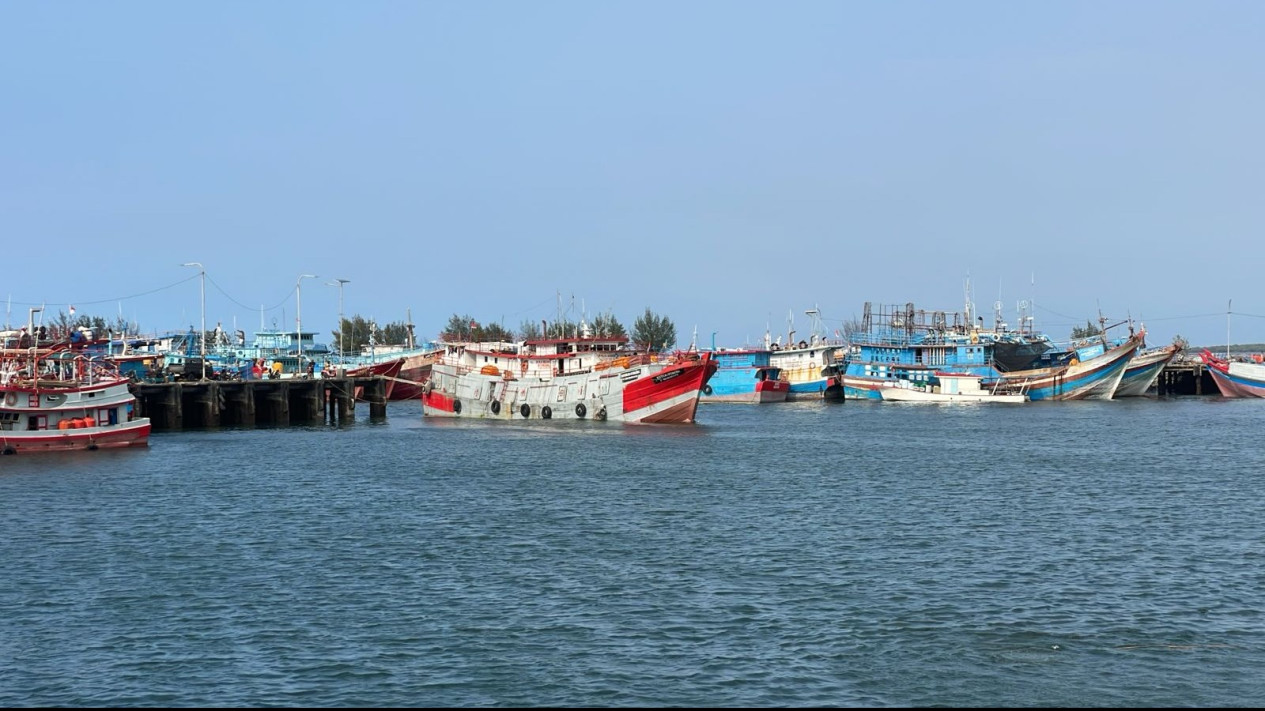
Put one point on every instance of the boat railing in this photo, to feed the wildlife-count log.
(55, 368)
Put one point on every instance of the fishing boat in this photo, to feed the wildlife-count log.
(951, 387)
(407, 380)
(808, 364)
(1144, 369)
(414, 373)
(1235, 378)
(56, 399)
(906, 345)
(388, 370)
(566, 378)
(899, 344)
(1093, 373)
(745, 376)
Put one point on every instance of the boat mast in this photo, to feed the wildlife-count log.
(969, 307)
(1032, 304)
(815, 326)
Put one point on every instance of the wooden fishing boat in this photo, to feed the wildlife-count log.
(56, 399)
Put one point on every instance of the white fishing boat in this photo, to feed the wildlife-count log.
(950, 387)
(54, 399)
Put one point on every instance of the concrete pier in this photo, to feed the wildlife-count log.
(247, 403)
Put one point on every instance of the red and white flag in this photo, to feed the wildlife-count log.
(72, 309)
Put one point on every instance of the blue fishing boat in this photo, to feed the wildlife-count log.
(907, 345)
(745, 376)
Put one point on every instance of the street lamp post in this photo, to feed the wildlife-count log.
(342, 330)
(298, 312)
(202, 335)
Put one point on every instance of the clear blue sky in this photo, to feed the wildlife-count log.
(721, 163)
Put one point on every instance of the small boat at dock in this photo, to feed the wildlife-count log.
(58, 399)
(950, 387)
(1235, 378)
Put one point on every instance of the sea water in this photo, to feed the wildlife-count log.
(793, 554)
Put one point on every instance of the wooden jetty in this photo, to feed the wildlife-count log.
(247, 403)
(1187, 376)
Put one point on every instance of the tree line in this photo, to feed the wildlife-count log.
(650, 332)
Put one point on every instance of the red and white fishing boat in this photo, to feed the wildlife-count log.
(565, 379)
(56, 399)
(1235, 378)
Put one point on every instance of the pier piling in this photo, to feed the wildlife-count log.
(194, 404)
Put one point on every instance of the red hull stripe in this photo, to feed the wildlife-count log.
(673, 380)
(437, 401)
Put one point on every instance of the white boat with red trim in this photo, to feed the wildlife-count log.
(574, 378)
(59, 398)
(1235, 378)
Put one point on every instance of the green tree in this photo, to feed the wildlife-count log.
(561, 328)
(1089, 330)
(358, 330)
(606, 325)
(493, 332)
(394, 333)
(466, 328)
(529, 330)
(459, 328)
(654, 333)
(59, 327)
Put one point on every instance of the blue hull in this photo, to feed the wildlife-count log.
(741, 376)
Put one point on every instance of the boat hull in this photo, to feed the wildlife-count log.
(387, 370)
(772, 391)
(640, 393)
(412, 377)
(1236, 379)
(127, 434)
(806, 370)
(1142, 372)
(899, 394)
(77, 403)
(1092, 379)
(744, 377)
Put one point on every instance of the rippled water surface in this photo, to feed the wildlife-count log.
(800, 554)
